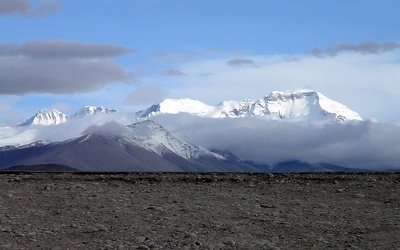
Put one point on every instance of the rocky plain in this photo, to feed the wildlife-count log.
(199, 211)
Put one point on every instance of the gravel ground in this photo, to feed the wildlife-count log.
(199, 211)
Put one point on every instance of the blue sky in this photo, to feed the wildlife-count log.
(128, 54)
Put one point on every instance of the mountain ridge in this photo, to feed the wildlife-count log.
(51, 116)
(292, 105)
(46, 117)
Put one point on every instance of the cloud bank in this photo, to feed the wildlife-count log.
(59, 67)
(27, 8)
(363, 145)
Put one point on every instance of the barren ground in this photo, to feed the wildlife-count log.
(199, 211)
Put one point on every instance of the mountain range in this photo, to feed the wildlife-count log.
(297, 105)
(144, 145)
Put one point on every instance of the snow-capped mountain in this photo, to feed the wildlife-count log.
(49, 117)
(91, 111)
(143, 146)
(296, 105)
(46, 117)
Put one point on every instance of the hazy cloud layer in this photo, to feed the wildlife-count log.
(27, 8)
(146, 95)
(362, 48)
(58, 67)
(361, 145)
(240, 61)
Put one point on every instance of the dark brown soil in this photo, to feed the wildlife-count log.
(199, 211)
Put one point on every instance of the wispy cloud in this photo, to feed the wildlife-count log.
(361, 48)
(240, 61)
(28, 8)
(173, 73)
(58, 67)
(61, 49)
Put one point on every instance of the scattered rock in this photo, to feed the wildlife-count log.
(267, 206)
(140, 239)
(199, 211)
(191, 235)
(229, 242)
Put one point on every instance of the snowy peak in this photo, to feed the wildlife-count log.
(92, 110)
(341, 112)
(46, 117)
(154, 137)
(303, 105)
(295, 105)
(147, 128)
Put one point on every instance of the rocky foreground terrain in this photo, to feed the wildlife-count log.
(199, 211)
